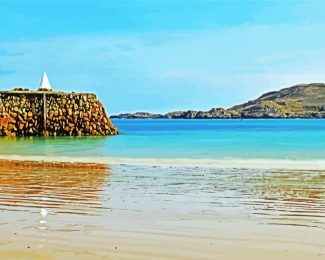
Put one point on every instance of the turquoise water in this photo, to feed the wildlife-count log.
(186, 139)
(145, 209)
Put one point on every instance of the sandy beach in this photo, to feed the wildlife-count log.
(159, 129)
(82, 211)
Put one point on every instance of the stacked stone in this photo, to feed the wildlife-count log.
(77, 114)
(23, 114)
(19, 115)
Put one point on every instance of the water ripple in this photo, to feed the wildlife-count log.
(281, 197)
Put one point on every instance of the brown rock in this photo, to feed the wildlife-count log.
(4, 122)
(12, 120)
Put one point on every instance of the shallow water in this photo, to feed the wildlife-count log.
(264, 139)
(40, 205)
(125, 210)
(283, 197)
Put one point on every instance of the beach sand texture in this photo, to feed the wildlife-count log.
(83, 211)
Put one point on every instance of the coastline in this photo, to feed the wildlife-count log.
(153, 194)
(165, 162)
(144, 243)
(146, 212)
(299, 101)
(27, 163)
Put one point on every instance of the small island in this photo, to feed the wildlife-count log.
(299, 101)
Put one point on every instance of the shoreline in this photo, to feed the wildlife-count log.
(50, 164)
(147, 243)
(77, 162)
(218, 118)
(158, 212)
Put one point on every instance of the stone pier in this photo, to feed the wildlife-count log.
(47, 113)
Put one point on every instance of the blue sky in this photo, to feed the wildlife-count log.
(163, 55)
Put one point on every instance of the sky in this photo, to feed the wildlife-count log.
(160, 56)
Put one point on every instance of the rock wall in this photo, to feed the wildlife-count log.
(53, 114)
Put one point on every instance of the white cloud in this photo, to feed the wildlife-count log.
(198, 69)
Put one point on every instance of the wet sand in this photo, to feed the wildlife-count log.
(81, 211)
(267, 164)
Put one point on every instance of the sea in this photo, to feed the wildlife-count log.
(186, 142)
(162, 189)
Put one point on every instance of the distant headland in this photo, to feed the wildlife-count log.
(299, 101)
(52, 113)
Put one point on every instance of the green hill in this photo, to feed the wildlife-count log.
(305, 100)
(300, 101)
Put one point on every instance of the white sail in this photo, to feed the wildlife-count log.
(45, 83)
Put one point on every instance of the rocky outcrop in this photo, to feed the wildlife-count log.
(218, 113)
(213, 113)
(139, 115)
(300, 101)
(190, 114)
(182, 114)
(25, 113)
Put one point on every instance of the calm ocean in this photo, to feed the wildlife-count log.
(194, 140)
(155, 192)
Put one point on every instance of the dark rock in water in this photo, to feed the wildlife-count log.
(218, 113)
(182, 114)
(142, 115)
